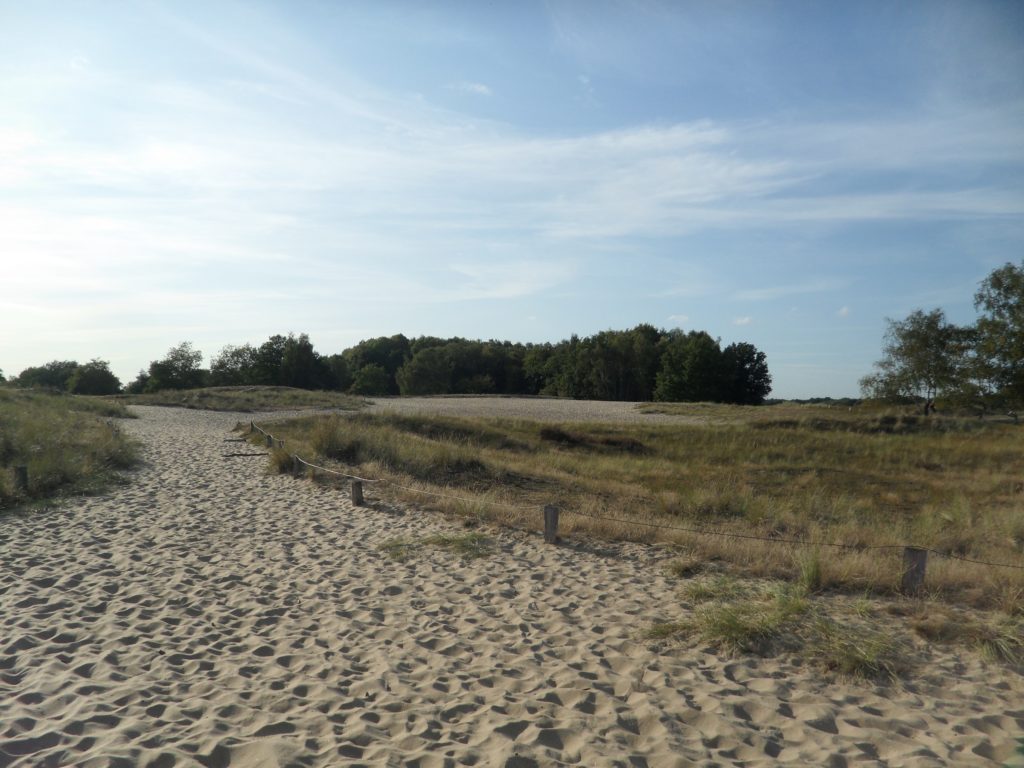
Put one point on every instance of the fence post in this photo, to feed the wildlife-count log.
(295, 464)
(252, 426)
(550, 524)
(357, 493)
(270, 441)
(21, 479)
(915, 561)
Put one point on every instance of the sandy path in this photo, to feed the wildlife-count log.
(212, 615)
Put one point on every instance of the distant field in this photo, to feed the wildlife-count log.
(69, 444)
(245, 399)
(863, 478)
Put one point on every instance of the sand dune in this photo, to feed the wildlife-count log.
(209, 614)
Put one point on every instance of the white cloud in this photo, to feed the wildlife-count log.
(768, 293)
(742, 320)
(477, 89)
(843, 312)
(679, 319)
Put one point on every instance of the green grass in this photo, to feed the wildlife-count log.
(468, 546)
(245, 399)
(786, 472)
(70, 445)
(765, 619)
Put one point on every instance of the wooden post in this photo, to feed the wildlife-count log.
(550, 524)
(357, 493)
(270, 441)
(914, 563)
(252, 426)
(295, 464)
(21, 479)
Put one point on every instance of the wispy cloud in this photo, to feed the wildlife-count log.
(679, 319)
(769, 293)
(477, 89)
(843, 312)
(746, 320)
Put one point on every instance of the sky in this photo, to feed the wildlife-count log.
(788, 174)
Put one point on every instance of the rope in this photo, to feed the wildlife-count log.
(660, 526)
(334, 472)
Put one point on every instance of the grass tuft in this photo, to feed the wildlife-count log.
(469, 546)
(857, 652)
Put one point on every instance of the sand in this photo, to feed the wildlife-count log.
(209, 614)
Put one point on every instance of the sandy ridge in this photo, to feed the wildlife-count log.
(210, 614)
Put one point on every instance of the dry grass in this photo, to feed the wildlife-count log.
(864, 480)
(245, 399)
(69, 444)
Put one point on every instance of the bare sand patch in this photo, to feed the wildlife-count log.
(211, 614)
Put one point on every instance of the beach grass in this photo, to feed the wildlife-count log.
(248, 399)
(69, 445)
(869, 482)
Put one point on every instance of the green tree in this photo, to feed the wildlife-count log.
(1000, 331)
(268, 360)
(925, 356)
(179, 369)
(747, 378)
(429, 372)
(387, 352)
(53, 375)
(234, 366)
(94, 378)
(302, 366)
(341, 376)
(370, 380)
(692, 369)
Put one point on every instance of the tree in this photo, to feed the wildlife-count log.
(692, 369)
(53, 375)
(94, 378)
(748, 381)
(234, 366)
(429, 372)
(924, 356)
(387, 352)
(268, 359)
(301, 366)
(1000, 330)
(371, 380)
(180, 369)
(341, 377)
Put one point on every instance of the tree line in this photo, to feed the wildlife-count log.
(640, 364)
(926, 357)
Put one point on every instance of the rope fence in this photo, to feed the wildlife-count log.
(914, 557)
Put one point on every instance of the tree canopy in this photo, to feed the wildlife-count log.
(925, 356)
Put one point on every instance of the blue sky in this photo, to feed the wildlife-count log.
(784, 173)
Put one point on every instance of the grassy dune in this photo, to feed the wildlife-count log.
(867, 480)
(69, 444)
(245, 399)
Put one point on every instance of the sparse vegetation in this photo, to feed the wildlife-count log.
(69, 444)
(809, 473)
(245, 399)
(468, 546)
(766, 618)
